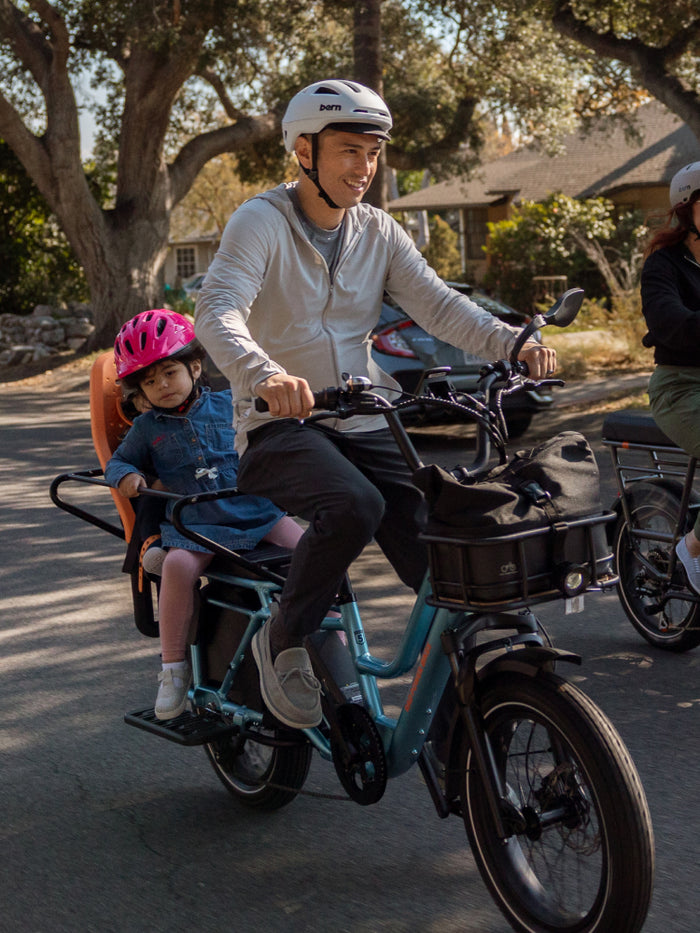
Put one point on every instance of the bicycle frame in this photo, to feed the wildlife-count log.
(422, 644)
(402, 738)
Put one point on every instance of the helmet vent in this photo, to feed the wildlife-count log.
(160, 326)
(326, 90)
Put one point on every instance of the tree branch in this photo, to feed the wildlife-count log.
(213, 79)
(198, 151)
(460, 130)
(650, 62)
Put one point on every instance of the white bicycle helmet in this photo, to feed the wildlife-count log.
(684, 184)
(344, 105)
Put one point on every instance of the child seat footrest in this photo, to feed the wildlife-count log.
(186, 729)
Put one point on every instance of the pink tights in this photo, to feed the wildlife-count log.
(181, 571)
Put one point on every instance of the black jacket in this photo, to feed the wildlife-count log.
(671, 306)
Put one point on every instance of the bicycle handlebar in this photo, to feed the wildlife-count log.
(501, 377)
(357, 398)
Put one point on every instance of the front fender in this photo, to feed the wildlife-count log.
(528, 660)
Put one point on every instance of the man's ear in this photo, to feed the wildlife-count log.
(302, 149)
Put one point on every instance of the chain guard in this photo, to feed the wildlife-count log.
(358, 754)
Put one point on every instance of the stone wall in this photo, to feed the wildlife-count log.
(48, 331)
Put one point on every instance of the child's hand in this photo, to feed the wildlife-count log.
(131, 484)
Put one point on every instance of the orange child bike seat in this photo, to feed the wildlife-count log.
(108, 424)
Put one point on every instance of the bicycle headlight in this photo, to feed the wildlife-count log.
(574, 578)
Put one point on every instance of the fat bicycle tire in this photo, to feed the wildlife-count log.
(675, 624)
(590, 870)
(262, 777)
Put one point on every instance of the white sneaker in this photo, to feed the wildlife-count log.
(691, 564)
(172, 692)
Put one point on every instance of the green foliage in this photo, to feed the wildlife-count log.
(38, 266)
(559, 236)
(442, 253)
(409, 181)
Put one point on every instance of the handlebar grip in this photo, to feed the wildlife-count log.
(326, 399)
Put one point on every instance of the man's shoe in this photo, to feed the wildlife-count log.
(691, 564)
(289, 688)
(172, 692)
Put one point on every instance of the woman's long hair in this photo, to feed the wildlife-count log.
(677, 226)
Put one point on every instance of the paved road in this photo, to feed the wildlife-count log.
(107, 829)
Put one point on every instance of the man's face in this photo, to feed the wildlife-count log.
(347, 163)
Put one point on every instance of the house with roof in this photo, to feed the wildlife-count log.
(187, 256)
(605, 162)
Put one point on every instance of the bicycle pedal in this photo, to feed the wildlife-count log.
(186, 729)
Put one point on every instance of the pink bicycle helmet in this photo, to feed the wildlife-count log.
(150, 337)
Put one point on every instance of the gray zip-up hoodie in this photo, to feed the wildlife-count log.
(268, 304)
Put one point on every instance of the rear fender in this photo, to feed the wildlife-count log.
(638, 493)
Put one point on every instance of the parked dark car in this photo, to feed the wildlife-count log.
(406, 352)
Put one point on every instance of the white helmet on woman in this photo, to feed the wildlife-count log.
(344, 105)
(684, 184)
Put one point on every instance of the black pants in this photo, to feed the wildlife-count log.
(350, 487)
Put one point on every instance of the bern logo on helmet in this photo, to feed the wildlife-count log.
(684, 188)
(330, 107)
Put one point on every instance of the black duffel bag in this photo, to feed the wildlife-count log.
(530, 528)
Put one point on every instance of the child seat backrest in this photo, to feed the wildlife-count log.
(109, 424)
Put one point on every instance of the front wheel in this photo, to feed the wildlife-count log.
(580, 857)
(263, 777)
(643, 568)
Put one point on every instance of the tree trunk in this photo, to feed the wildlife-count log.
(122, 249)
(367, 52)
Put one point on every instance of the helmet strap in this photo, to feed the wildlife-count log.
(312, 173)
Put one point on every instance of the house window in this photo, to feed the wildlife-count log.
(185, 262)
(475, 231)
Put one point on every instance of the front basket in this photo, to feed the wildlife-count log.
(511, 570)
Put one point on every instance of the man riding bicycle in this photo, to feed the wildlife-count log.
(287, 306)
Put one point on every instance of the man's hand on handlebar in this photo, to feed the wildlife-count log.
(286, 396)
(541, 361)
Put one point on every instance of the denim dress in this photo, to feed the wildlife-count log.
(193, 453)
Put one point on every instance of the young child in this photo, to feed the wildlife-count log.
(186, 439)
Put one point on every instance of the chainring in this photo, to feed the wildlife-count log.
(358, 754)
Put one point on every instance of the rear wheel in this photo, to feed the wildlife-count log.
(264, 777)
(581, 858)
(643, 566)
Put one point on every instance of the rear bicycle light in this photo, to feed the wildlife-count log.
(391, 342)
